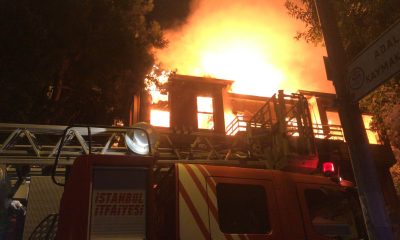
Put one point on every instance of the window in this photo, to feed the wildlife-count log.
(159, 118)
(335, 127)
(242, 209)
(331, 213)
(205, 113)
(372, 135)
(316, 118)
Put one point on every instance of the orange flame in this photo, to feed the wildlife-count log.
(158, 117)
(250, 42)
(161, 77)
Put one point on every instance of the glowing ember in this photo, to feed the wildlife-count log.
(250, 42)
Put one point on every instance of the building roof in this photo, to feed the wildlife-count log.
(206, 80)
(317, 94)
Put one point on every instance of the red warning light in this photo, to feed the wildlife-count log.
(328, 168)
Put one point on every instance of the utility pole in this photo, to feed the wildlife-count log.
(369, 188)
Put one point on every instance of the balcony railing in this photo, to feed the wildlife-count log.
(238, 124)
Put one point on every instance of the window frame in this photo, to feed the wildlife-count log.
(272, 207)
(223, 199)
(310, 230)
(205, 113)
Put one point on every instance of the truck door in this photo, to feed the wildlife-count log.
(242, 209)
(330, 213)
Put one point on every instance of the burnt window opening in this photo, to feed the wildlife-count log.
(242, 209)
(372, 134)
(205, 113)
(160, 118)
(331, 213)
(334, 126)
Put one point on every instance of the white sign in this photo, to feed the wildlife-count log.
(118, 204)
(376, 64)
(118, 214)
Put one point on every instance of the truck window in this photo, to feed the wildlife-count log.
(331, 213)
(242, 209)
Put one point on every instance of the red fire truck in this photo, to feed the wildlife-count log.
(111, 183)
(138, 196)
(114, 197)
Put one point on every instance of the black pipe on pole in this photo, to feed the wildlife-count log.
(369, 188)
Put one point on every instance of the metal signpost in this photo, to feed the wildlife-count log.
(379, 62)
(351, 84)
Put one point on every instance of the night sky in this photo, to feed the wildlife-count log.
(170, 14)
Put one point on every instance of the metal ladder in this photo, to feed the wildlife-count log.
(38, 144)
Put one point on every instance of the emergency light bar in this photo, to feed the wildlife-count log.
(328, 168)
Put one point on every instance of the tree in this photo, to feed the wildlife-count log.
(73, 61)
(360, 22)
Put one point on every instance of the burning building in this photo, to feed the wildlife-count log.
(200, 119)
(207, 118)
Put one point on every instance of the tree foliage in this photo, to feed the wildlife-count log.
(360, 22)
(73, 61)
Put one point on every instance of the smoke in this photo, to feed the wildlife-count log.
(249, 41)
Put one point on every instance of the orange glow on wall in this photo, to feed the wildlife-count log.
(333, 118)
(159, 118)
(250, 42)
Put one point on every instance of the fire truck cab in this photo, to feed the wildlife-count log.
(221, 202)
(117, 197)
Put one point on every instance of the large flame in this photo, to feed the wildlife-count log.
(153, 81)
(160, 76)
(250, 42)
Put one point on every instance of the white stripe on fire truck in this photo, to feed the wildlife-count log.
(213, 198)
(200, 208)
(210, 179)
(201, 186)
(194, 191)
(196, 174)
(184, 230)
